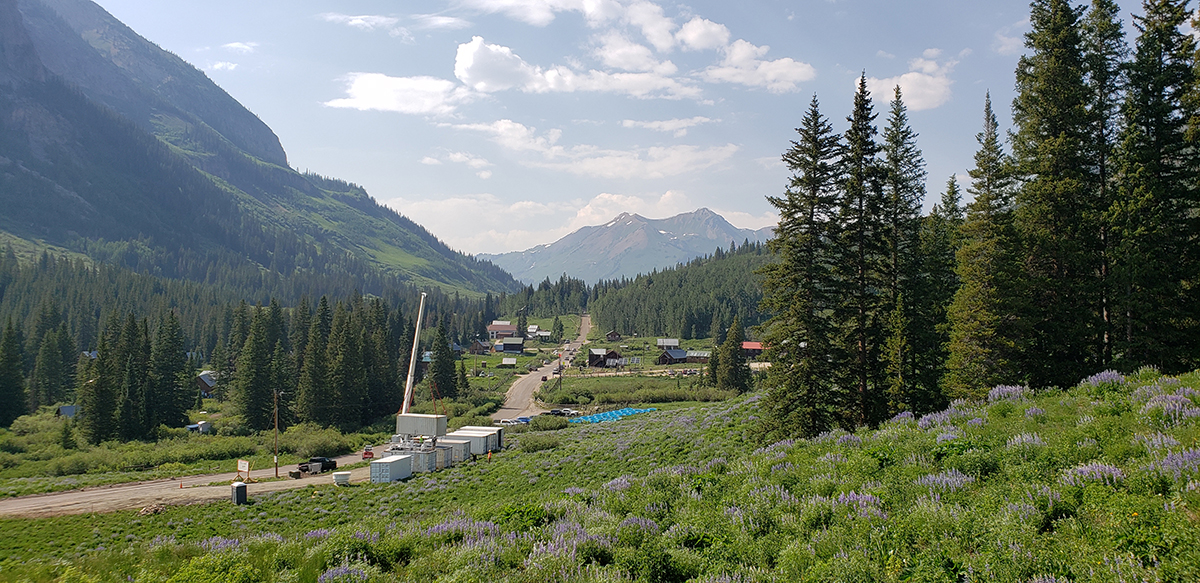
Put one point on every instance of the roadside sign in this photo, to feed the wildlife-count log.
(243, 465)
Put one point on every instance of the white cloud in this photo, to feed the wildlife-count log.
(223, 66)
(433, 21)
(745, 220)
(925, 86)
(743, 65)
(770, 162)
(430, 161)
(488, 68)
(1010, 40)
(483, 223)
(656, 27)
(618, 52)
(678, 126)
(655, 162)
(416, 95)
(362, 21)
(484, 174)
(469, 160)
(542, 12)
(604, 206)
(700, 34)
(247, 47)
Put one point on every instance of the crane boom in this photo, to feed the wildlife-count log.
(412, 363)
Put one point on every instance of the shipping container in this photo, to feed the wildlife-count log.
(424, 462)
(499, 429)
(479, 441)
(391, 469)
(491, 438)
(418, 424)
(460, 448)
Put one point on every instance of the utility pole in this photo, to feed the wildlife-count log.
(275, 392)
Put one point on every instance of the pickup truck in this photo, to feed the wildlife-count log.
(317, 465)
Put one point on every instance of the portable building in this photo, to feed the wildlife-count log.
(391, 469)
(491, 438)
(418, 424)
(445, 456)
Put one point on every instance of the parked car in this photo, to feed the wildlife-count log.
(543, 378)
(317, 465)
(558, 412)
(509, 422)
(523, 419)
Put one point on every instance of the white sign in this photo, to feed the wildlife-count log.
(243, 465)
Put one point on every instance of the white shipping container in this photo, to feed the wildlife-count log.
(460, 448)
(445, 456)
(479, 441)
(424, 462)
(391, 469)
(492, 437)
(499, 431)
(418, 424)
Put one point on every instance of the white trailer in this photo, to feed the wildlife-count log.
(460, 448)
(479, 441)
(497, 429)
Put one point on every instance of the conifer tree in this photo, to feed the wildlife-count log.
(733, 374)
(463, 382)
(860, 263)
(556, 331)
(171, 389)
(982, 335)
(1155, 220)
(1105, 53)
(347, 377)
(802, 398)
(132, 356)
(940, 240)
(251, 388)
(441, 369)
(313, 396)
(298, 329)
(282, 375)
(12, 378)
(51, 376)
(96, 396)
(1057, 212)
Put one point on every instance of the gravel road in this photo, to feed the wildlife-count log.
(518, 402)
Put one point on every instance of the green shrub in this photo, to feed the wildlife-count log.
(217, 568)
(547, 423)
(308, 440)
(532, 443)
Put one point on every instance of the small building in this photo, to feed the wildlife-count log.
(207, 383)
(667, 343)
(501, 329)
(202, 427)
(752, 350)
(673, 356)
(508, 363)
(532, 331)
(699, 356)
(478, 348)
(543, 336)
(514, 345)
(613, 336)
(601, 358)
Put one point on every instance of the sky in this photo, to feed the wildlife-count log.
(504, 124)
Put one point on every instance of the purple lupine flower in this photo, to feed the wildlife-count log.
(850, 439)
(271, 536)
(641, 523)
(950, 480)
(342, 574)
(1094, 472)
(1179, 464)
(902, 417)
(1108, 377)
(774, 494)
(776, 446)
(950, 435)
(1047, 579)
(459, 524)
(618, 484)
(1156, 441)
(318, 534)
(1026, 440)
(1007, 393)
(977, 422)
(783, 467)
(367, 536)
(1034, 412)
(219, 544)
(832, 458)
(1170, 410)
(573, 491)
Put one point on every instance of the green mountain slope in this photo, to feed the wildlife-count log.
(115, 148)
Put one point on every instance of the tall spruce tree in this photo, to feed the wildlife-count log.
(982, 338)
(171, 390)
(802, 398)
(733, 373)
(1155, 220)
(347, 376)
(1105, 53)
(441, 369)
(940, 240)
(1057, 213)
(251, 388)
(860, 261)
(12, 376)
(97, 394)
(313, 395)
(904, 192)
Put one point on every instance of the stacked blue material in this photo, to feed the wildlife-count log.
(610, 415)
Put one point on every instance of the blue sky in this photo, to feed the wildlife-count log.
(504, 124)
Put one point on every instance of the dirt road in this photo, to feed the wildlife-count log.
(138, 495)
(518, 402)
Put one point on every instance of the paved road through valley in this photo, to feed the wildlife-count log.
(518, 402)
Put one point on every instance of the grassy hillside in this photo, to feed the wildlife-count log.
(1099, 483)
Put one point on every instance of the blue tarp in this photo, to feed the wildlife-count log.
(611, 415)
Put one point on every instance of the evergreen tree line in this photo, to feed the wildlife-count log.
(1078, 252)
(699, 299)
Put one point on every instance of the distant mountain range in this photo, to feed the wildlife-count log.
(626, 246)
(113, 148)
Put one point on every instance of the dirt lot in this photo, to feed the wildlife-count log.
(139, 495)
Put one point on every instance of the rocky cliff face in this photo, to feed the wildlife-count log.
(19, 61)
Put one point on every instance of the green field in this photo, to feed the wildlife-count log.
(1099, 483)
